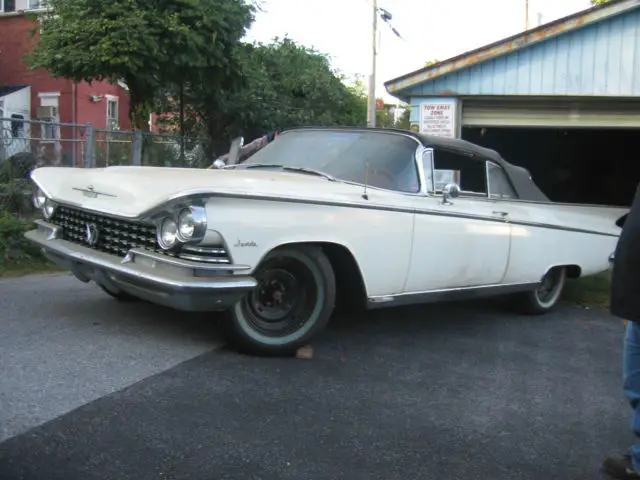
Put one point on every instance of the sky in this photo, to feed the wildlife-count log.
(432, 29)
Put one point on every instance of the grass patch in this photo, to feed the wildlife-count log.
(589, 292)
(17, 255)
(20, 269)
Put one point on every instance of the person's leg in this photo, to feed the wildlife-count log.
(628, 466)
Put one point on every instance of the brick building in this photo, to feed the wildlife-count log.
(59, 100)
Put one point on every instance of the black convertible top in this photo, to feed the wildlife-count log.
(520, 177)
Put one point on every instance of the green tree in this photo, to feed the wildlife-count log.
(148, 45)
(599, 2)
(404, 120)
(282, 85)
(430, 63)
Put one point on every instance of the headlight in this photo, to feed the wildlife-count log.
(49, 208)
(39, 198)
(168, 234)
(192, 224)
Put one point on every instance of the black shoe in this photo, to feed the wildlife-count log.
(620, 467)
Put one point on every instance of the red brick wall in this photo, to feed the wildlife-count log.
(15, 44)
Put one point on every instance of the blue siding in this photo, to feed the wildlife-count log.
(602, 59)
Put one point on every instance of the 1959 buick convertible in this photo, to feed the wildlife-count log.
(374, 217)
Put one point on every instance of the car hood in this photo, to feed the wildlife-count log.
(131, 191)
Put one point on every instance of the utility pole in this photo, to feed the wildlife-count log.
(526, 15)
(371, 110)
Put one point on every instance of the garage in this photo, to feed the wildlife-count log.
(562, 100)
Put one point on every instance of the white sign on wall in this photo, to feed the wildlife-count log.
(439, 116)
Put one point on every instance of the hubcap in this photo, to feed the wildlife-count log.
(548, 289)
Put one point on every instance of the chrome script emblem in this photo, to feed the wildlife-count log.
(92, 234)
(91, 193)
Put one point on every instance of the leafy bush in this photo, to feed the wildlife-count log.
(15, 250)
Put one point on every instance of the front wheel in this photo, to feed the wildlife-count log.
(293, 301)
(546, 296)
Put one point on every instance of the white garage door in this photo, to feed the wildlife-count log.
(551, 113)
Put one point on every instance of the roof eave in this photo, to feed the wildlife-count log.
(511, 44)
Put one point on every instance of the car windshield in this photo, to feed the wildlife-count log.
(378, 159)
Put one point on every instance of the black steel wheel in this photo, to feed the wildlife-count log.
(293, 301)
(546, 296)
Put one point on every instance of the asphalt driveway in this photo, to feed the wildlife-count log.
(437, 392)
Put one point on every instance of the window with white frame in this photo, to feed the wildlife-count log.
(36, 4)
(48, 114)
(7, 6)
(113, 118)
(50, 129)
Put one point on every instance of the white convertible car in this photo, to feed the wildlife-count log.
(321, 215)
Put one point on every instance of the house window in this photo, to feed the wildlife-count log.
(48, 114)
(112, 113)
(7, 5)
(50, 129)
(36, 4)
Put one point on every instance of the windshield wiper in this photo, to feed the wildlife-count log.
(311, 171)
(292, 169)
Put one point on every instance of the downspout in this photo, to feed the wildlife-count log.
(74, 115)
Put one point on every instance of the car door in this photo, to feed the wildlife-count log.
(462, 242)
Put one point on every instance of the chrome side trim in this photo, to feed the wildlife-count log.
(448, 294)
(197, 258)
(366, 206)
(209, 250)
(180, 262)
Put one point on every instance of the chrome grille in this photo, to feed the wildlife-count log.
(117, 236)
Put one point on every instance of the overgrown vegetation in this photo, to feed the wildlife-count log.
(17, 255)
(589, 292)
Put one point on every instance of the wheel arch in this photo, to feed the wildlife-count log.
(573, 271)
(350, 285)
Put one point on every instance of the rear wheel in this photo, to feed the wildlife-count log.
(293, 301)
(546, 296)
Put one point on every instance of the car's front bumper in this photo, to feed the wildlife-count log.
(176, 283)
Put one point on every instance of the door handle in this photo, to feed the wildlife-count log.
(501, 214)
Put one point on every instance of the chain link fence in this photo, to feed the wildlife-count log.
(25, 145)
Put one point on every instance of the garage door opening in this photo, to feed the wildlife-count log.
(571, 165)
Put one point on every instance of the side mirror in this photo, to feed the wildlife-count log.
(235, 150)
(451, 190)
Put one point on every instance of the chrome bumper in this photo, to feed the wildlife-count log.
(180, 284)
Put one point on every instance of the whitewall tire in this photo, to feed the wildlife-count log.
(546, 296)
(293, 301)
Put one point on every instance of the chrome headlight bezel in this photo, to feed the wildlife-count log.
(161, 229)
(39, 197)
(48, 208)
(197, 217)
(198, 220)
